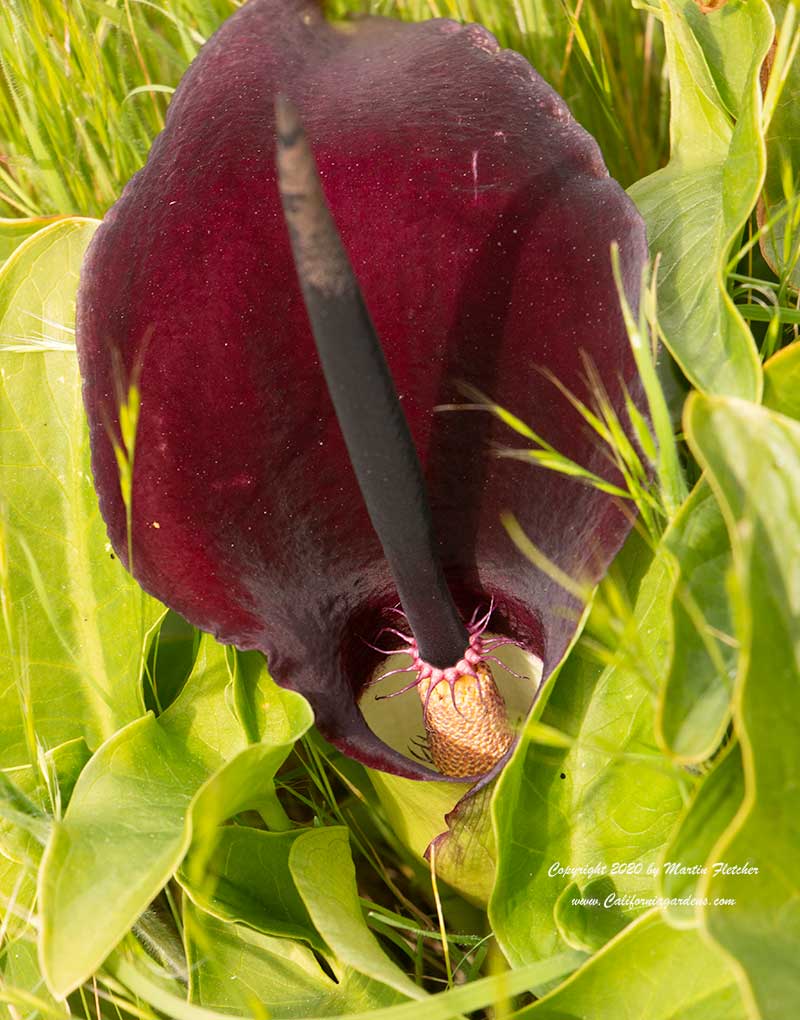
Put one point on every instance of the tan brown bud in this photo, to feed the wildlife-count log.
(467, 724)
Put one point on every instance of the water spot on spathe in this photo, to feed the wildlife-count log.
(481, 38)
(243, 480)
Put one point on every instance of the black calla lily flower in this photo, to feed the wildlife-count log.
(477, 217)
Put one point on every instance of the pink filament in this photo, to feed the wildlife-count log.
(474, 655)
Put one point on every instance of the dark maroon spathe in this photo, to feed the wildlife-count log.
(478, 217)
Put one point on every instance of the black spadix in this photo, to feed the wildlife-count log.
(367, 407)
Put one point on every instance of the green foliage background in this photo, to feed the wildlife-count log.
(211, 856)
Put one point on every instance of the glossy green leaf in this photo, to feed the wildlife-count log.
(416, 811)
(145, 794)
(648, 972)
(31, 795)
(17, 895)
(20, 977)
(234, 968)
(696, 206)
(569, 816)
(38, 792)
(686, 856)
(323, 871)
(243, 876)
(782, 381)
(75, 621)
(752, 459)
(20, 816)
(588, 929)
(14, 231)
(780, 210)
(444, 1006)
(694, 704)
(22, 986)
